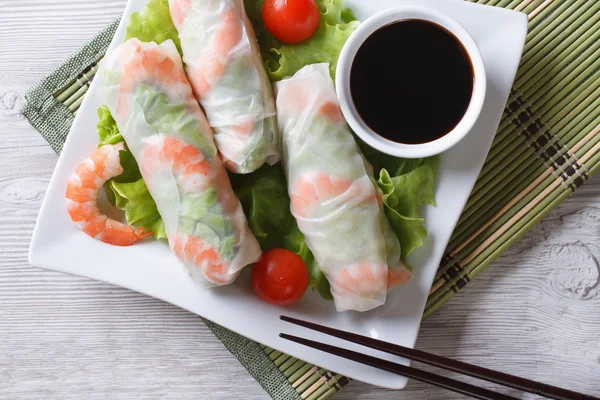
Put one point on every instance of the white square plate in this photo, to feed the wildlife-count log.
(150, 267)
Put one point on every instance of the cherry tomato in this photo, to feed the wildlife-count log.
(280, 277)
(291, 21)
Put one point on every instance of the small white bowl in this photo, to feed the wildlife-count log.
(344, 67)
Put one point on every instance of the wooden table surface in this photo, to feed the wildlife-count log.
(535, 312)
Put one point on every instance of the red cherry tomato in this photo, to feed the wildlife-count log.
(291, 21)
(280, 277)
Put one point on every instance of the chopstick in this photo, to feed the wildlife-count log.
(515, 382)
(408, 372)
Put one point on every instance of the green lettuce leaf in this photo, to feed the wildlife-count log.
(153, 24)
(325, 45)
(128, 191)
(394, 165)
(266, 203)
(404, 195)
(140, 209)
(108, 132)
(164, 116)
(347, 16)
(407, 185)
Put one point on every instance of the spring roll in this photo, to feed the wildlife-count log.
(225, 68)
(148, 94)
(334, 196)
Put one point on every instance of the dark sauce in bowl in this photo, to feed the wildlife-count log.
(411, 81)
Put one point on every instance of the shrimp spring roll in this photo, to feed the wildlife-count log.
(148, 94)
(225, 68)
(334, 196)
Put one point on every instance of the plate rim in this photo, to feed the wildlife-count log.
(37, 249)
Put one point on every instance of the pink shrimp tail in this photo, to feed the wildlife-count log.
(82, 193)
(398, 277)
(363, 280)
(119, 234)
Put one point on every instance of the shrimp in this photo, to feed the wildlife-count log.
(243, 126)
(213, 63)
(398, 276)
(367, 281)
(192, 171)
(203, 256)
(194, 174)
(82, 194)
(332, 111)
(299, 97)
(361, 280)
(148, 64)
(190, 168)
(313, 189)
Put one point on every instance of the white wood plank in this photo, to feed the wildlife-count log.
(535, 312)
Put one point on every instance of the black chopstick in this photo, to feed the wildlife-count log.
(408, 372)
(486, 374)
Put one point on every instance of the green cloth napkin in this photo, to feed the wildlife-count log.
(53, 120)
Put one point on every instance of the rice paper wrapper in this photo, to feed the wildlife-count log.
(226, 70)
(334, 196)
(148, 94)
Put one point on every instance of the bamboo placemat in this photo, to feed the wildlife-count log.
(547, 145)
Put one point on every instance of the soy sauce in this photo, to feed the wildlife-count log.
(412, 81)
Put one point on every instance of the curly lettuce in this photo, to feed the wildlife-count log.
(140, 209)
(404, 195)
(153, 24)
(107, 130)
(407, 185)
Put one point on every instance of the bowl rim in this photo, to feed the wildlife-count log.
(343, 69)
